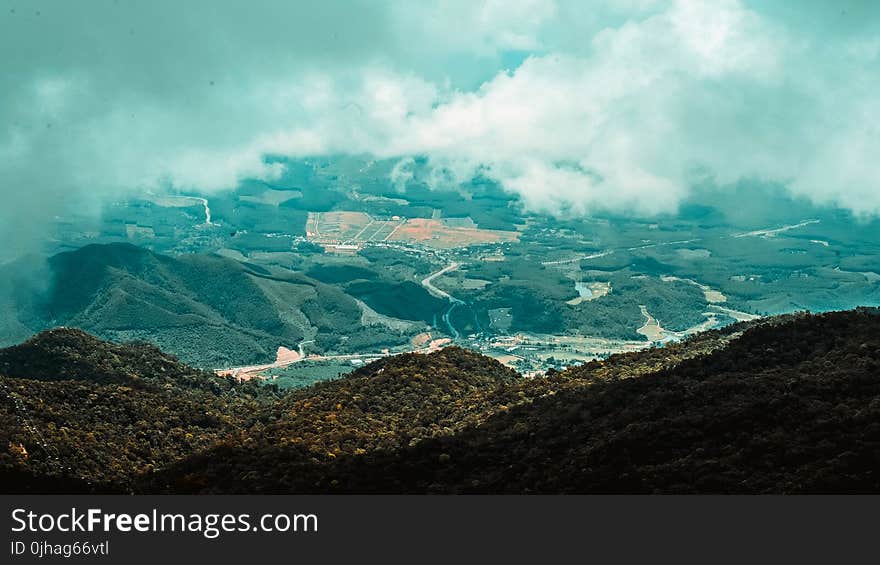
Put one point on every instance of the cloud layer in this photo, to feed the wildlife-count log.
(620, 106)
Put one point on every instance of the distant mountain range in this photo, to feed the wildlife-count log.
(210, 310)
(780, 405)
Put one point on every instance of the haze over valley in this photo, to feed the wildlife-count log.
(335, 262)
(439, 246)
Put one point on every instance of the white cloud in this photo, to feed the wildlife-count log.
(620, 105)
(477, 28)
(610, 130)
(402, 173)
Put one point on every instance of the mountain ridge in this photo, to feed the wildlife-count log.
(782, 405)
(210, 310)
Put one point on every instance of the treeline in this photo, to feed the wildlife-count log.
(782, 405)
(92, 415)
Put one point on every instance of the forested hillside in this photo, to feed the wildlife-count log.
(78, 413)
(210, 310)
(782, 405)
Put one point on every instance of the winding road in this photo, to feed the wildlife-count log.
(203, 201)
(428, 283)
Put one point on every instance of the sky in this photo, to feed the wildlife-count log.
(575, 106)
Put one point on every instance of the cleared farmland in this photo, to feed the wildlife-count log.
(358, 228)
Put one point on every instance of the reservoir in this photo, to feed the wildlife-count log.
(583, 290)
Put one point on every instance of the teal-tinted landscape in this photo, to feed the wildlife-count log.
(556, 185)
(441, 246)
(366, 270)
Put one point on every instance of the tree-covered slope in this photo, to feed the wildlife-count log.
(789, 406)
(210, 310)
(782, 405)
(79, 414)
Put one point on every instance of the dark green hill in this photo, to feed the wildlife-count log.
(79, 414)
(782, 405)
(210, 310)
(69, 354)
(785, 407)
(406, 300)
